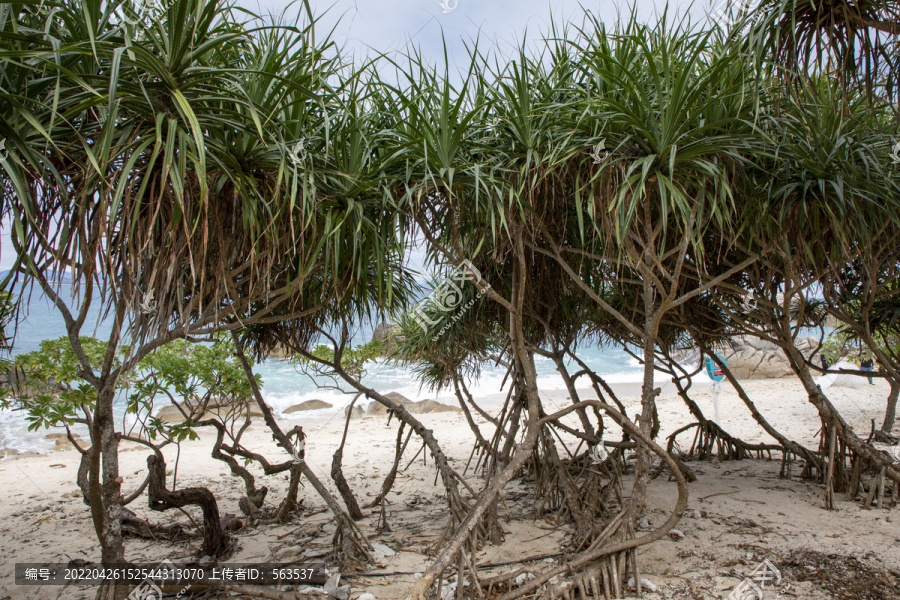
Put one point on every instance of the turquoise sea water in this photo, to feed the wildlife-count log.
(284, 384)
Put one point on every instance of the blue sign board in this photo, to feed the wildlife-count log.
(714, 372)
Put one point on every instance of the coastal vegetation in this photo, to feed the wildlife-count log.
(221, 186)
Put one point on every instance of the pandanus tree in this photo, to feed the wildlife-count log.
(853, 41)
(676, 112)
(513, 176)
(824, 220)
(197, 172)
(848, 199)
(457, 195)
(152, 166)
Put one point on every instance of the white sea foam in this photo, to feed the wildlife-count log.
(285, 385)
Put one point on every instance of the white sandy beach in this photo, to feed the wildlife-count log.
(738, 513)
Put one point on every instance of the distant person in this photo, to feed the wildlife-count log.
(868, 365)
(825, 363)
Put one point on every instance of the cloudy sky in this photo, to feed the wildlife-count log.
(390, 25)
(367, 27)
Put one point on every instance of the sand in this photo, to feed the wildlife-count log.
(739, 513)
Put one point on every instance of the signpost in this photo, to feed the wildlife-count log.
(716, 374)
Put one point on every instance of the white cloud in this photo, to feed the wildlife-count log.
(373, 26)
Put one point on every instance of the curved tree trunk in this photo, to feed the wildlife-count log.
(255, 497)
(215, 540)
(353, 542)
(337, 473)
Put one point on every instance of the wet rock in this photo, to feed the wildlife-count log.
(416, 408)
(376, 408)
(358, 412)
(279, 351)
(65, 444)
(216, 409)
(431, 406)
(308, 405)
(752, 358)
(385, 331)
(387, 334)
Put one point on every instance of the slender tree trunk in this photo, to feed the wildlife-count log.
(891, 413)
(495, 485)
(524, 361)
(483, 443)
(106, 489)
(337, 473)
(648, 403)
(789, 444)
(573, 394)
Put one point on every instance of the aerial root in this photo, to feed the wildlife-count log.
(392, 474)
(138, 527)
(711, 440)
(602, 579)
(349, 546)
(578, 489)
(488, 528)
